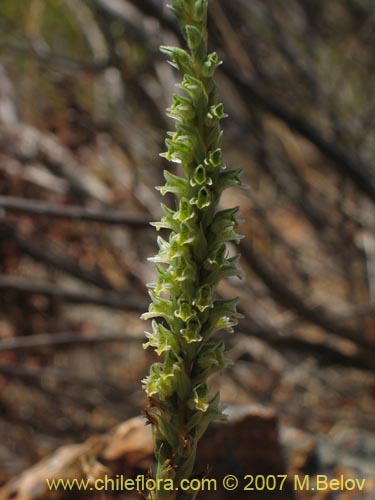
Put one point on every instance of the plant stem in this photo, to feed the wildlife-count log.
(191, 263)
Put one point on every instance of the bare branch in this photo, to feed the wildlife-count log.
(359, 172)
(286, 296)
(323, 352)
(35, 207)
(50, 255)
(129, 301)
(64, 339)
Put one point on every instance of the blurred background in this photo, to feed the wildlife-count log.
(83, 93)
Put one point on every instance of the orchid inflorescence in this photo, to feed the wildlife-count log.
(191, 263)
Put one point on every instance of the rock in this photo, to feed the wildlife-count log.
(247, 444)
(300, 450)
(347, 455)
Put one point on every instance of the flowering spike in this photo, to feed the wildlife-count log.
(192, 261)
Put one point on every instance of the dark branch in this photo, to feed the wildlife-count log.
(287, 297)
(361, 174)
(321, 351)
(47, 254)
(128, 302)
(35, 207)
(63, 339)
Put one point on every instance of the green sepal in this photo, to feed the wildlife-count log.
(211, 359)
(195, 39)
(184, 269)
(200, 246)
(166, 377)
(150, 383)
(192, 331)
(229, 178)
(204, 298)
(168, 429)
(223, 216)
(225, 270)
(174, 184)
(181, 60)
(178, 152)
(168, 221)
(187, 233)
(159, 307)
(216, 256)
(200, 11)
(214, 139)
(215, 158)
(162, 339)
(199, 401)
(223, 226)
(203, 200)
(165, 282)
(181, 380)
(200, 178)
(214, 412)
(185, 211)
(222, 316)
(227, 234)
(194, 420)
(227, 323)
(210, 64)
(184, 311)
(182, 109)
(197, 92)
(162, 255)
(176, 250)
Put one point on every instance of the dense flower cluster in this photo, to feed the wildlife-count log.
(190, 264)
